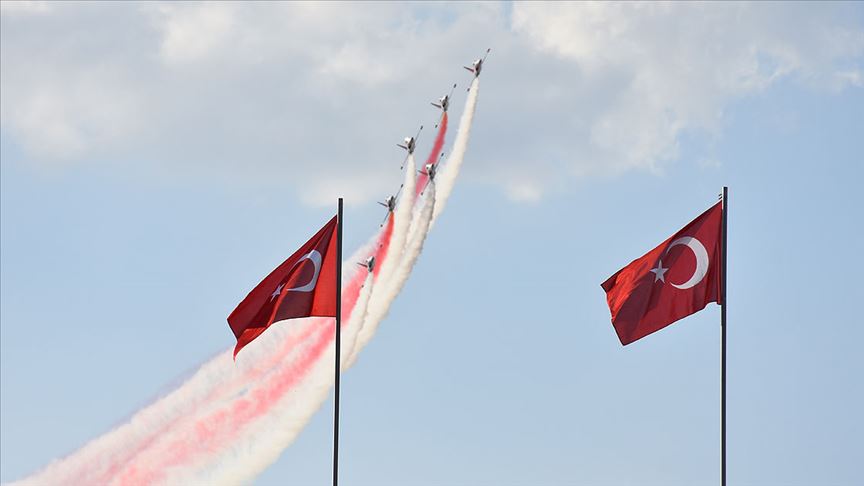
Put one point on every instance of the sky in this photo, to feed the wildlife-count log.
(158, 159)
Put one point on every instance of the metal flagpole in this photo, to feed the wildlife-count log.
(338, 342)
(723, 340)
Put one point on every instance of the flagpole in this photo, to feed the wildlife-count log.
(338, 342)
(723, 341)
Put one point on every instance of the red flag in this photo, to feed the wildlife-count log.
(304, 285)
(679, 277)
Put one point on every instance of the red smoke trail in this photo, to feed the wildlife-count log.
(224, 425)
(350, 292)
(423, 179)
(204, 430)
(349, 300)
(381, 250)
(291, 342)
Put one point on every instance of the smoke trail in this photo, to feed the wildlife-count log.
(260, 444)
(144, 465)
(230, 420)
(420, 225)
(103, 457)
(423, 178)
(234, 381)
(352, 327)
(402, 221)
(270, 436)
(210, 437)
(382, 249)
(236, 410)
(355, 322)
(259, 423)
(355, 285)
(388, 290)
(446, 179)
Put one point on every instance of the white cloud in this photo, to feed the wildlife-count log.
(24, 7)
(311, 98)
(681, 63)
(193, 31)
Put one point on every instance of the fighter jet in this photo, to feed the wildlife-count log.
(477, 65)
(409, 144)
(390, 204)
(369, 264)
(443, 103)
(430, 170)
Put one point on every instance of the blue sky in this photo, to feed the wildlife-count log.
(149, 183)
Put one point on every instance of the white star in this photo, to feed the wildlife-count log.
(276, 292)
(659, 271)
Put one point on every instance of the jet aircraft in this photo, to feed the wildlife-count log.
(409, 144)
(429, 170)
(369, 264)
(443, 103)
(390, 204)
(477, 65)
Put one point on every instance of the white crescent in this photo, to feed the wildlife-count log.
(315, 258)
(702, 260)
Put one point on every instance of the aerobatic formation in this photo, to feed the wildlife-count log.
(229, 421)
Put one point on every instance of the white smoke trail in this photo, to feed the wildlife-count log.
(191, 446)
(273, 434)
(94, 461)
(214, 378)
(401, 224)
(355, 322)
(446, 179)
(267, 438)
(220, 377)
(259, 444)
(231, 428)
(388, 290)
(420, 225)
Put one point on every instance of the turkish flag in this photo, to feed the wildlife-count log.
(304, 285)
(679, 277)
